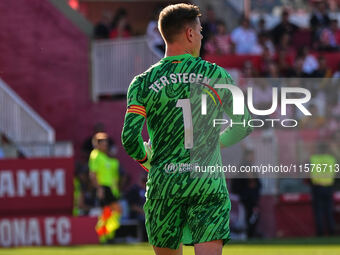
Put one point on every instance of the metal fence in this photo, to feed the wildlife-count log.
(38, 150)
(116, 62)
(20, 123)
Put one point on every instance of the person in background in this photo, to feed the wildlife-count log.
(284, 27)
(104, 174)
(264, 43)
(120, 28)
(310, 62)
(322, 189)
(273, 70)
(267, 60)
(136, 199)
(248, 190)
(336, 74)
(244, 37)
(84, 191)
(323, 70)
(261, 26)
(331, 129)
(102, 28)
(209, 27)
(248, 73)
(319, 20)
(2, 153)
(283, 60)
(155, 40)
(286, 45)
(335, 143)
(336, 31)
(298, 69)
(328, 37)
(219, 44)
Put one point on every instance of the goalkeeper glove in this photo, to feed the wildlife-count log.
(149, 153)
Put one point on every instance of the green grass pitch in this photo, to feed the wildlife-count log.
(326, 246)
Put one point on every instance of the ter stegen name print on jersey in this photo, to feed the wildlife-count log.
(168, 97)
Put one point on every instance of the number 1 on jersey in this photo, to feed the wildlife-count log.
(187, 119)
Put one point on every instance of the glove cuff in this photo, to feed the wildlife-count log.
(142, 161)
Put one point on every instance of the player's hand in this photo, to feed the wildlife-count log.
(149, 154)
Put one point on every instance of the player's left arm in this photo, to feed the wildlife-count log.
(135, 117)
(235, 133)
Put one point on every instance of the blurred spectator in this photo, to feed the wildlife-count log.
(336, 31)
(261, 26)
(284, 27)
(315, 121)
(319, 20)
(84, 191)
(267, 60)
(322, 189)
(332, 126)
(244, 37)
(155, 40)
(120, 28)
(136, 200)
(2, 153)
(209, 27)
(323, 71)
(248, 190)
(298, 69)
(264, 43)
(336, 74)
(328, 37)
(104, 174)
(248, 72)
(335, 141)
(310, 62)
(273, 70)
(286, 45)
(284, 63)
(102, 28)
(219, 44)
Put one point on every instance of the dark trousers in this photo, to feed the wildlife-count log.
(323, 209)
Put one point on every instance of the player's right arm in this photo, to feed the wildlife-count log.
(135, 117)
(235, 133)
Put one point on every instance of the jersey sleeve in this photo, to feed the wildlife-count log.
(135, 116)
(234, 133)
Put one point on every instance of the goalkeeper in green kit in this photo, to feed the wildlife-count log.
(182, 207)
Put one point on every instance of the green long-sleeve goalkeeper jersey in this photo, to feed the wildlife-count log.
(168, 96)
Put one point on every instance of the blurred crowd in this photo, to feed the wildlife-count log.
(285, 50)
(288, 51)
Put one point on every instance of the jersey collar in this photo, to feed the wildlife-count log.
(187, 55)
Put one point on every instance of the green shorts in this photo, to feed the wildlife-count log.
(188, 220)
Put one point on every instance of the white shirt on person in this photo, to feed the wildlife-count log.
(244, 39)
